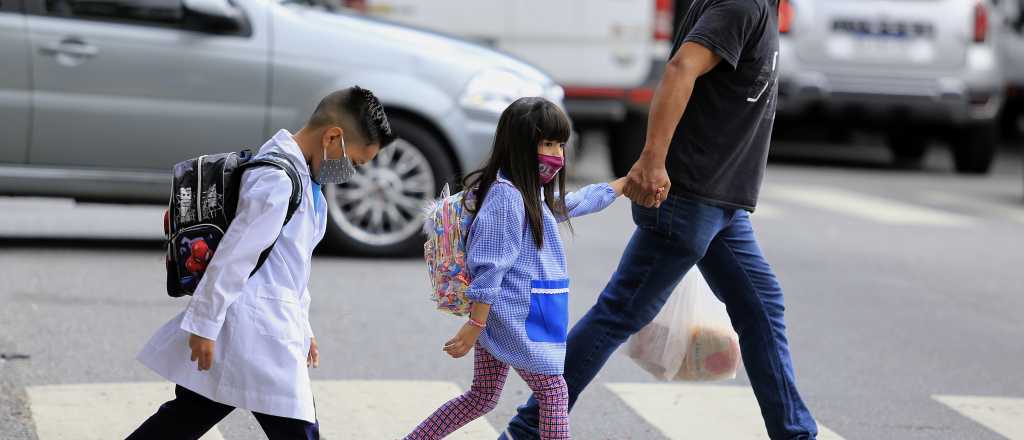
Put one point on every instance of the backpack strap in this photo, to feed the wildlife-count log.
(282, 162)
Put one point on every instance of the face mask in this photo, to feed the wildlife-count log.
(335, 171)
(549, 167)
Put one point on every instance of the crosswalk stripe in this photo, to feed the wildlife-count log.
(1000, 414)
(769, 211)
(385, 409)
(682, 411)
(97, 411)
(868, 207)
(1014, 213)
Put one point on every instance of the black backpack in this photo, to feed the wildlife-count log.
(204, 199)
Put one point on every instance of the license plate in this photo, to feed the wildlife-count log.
(869, 48)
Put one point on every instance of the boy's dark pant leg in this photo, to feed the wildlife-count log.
(190, 415)
(187, 417)
(283, 428)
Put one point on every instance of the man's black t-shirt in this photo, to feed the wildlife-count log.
(720, 148)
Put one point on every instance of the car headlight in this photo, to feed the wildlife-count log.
(492, 91)
(555, 93)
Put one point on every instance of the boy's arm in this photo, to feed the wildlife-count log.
(262, 206)
(305, 307)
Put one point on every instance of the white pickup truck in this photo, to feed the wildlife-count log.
(607, 54)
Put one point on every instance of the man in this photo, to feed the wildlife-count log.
(707, 144)
(244, 341)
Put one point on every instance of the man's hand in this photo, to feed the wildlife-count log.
(313, 359)
(202, 351)
(647, 183)
(463, 341)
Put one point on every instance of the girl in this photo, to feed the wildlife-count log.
(520, 287)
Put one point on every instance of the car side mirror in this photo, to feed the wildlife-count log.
(217, 16)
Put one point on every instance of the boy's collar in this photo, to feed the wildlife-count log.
(284, 142)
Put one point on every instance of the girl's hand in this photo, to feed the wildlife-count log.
(619, 186)
(313, 359)
(463, 341)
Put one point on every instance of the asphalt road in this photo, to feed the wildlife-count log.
(902, 287)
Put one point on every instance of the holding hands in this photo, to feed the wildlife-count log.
(647, 183)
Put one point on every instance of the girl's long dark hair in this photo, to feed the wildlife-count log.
(522, 127)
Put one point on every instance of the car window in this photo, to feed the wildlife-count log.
(156, 12)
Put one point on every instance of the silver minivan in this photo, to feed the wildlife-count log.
(917, 69)
(99, 98)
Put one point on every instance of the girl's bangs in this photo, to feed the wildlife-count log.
(554, 125)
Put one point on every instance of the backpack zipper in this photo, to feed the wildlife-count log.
(199, 189)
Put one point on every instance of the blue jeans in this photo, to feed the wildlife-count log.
(668, 241)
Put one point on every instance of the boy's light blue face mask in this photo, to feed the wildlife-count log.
(336, 171)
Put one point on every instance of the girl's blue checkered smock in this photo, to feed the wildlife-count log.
(527, 287)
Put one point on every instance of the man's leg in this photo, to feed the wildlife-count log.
(668, 241)
(187, 417)
(739, 275)
(283, 428)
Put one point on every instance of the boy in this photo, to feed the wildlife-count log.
(246, 342)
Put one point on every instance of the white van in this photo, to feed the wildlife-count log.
(1012, 48)
(607, 54)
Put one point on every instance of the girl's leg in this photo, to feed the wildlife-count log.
(552, 394)
(489, 376)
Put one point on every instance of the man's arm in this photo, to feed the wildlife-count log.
(670, 100)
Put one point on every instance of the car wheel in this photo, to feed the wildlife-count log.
(626, 142)
(380, 211)
(908, 148)
(974, 148)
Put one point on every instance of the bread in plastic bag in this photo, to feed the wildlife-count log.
(691, 339)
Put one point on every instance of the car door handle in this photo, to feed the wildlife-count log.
(71, 47)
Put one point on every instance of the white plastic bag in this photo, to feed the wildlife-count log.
(691, 339)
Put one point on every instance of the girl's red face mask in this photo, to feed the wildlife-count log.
(549, 167)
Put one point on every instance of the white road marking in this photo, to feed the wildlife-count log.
(766, 211)
(384, 409)
(1000, 414)
(682, 411)
(97, 411)
(868, 207)
(391, 409)
(1014, 213)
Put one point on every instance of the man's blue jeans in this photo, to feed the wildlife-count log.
(668, 241)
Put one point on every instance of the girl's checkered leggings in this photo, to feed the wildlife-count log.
(489, 376)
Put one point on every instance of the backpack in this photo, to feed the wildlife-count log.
(204, 199)
(447, 228)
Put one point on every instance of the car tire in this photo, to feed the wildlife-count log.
(974, 148)
(908, 149)
(379, 212)
(626, 142)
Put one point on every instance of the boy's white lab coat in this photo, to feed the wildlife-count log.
(260, 324)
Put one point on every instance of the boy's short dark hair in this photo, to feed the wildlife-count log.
(355, 108)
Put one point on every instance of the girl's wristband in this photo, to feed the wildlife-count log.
(477, 324)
